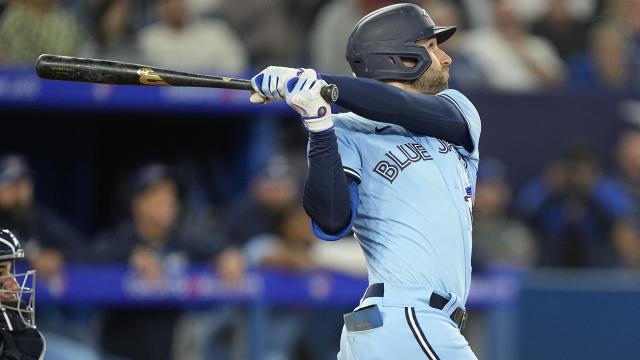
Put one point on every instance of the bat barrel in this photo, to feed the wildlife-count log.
(54, 67)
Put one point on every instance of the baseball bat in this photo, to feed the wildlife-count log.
(54, 67)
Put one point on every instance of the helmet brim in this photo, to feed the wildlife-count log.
(443, 33)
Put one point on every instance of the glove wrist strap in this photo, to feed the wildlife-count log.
(319, 124)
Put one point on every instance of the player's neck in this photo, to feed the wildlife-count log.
(401, 85)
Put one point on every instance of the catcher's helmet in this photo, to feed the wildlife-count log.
(10, 247)
(17, 290)
(382, 39)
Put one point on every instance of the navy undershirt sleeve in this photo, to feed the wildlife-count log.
(326, 196)
(422, 114)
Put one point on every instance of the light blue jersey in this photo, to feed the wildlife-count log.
(415, 200)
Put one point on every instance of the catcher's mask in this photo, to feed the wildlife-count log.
(17, 290)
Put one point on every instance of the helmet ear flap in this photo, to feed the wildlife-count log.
(403, 67)
(409, 62)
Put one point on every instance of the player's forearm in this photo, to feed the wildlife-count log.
(326, 190)
(422, 114)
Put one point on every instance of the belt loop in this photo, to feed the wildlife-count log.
(456, 312)
(452, 305)
(364, 296)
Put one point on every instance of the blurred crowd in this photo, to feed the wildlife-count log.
(575, 214)
(157, 236)
(503, 45)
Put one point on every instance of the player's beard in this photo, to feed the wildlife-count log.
(432, 81)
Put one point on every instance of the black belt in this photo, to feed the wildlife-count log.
(459, 315)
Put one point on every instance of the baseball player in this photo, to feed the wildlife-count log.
(399, 170)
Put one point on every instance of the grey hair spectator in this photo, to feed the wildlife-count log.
(512, 58)
(181, 40)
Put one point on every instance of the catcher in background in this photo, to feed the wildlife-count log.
(19, 338)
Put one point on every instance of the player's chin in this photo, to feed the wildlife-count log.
(445, 80)
(442, 83)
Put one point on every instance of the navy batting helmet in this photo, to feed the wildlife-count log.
(382, 39)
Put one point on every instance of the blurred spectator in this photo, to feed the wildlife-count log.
(628, 162)
(630, 11)
(274, 189)
(567, 33)
(292, 247)
(273, 31)
(465, 71)
(513, 59)
(477, 12)
(29, 28)
(49, 240)
(582, 217)
(613, 60)
(625, 13)
(203, 7)
(182, 41)
(343, 256)
(287, 248)
(498, 239)
(609, 64)
(151, 243)
(268, 228)
(628, 159)
(330, 32)
(113, 32)
(329, 35)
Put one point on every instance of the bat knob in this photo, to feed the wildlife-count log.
(330, 93)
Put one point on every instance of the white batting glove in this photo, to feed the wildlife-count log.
(270, 83)
(303, 95)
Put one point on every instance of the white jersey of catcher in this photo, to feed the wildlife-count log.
(416, 197)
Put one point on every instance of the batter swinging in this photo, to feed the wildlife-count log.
(400, 171)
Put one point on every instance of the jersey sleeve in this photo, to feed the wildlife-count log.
(348, 148)
(353, 196)
(471, 116)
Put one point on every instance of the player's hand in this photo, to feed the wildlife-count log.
(270, 83)
(303, 95)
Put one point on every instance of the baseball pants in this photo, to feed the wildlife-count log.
(402, 325)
